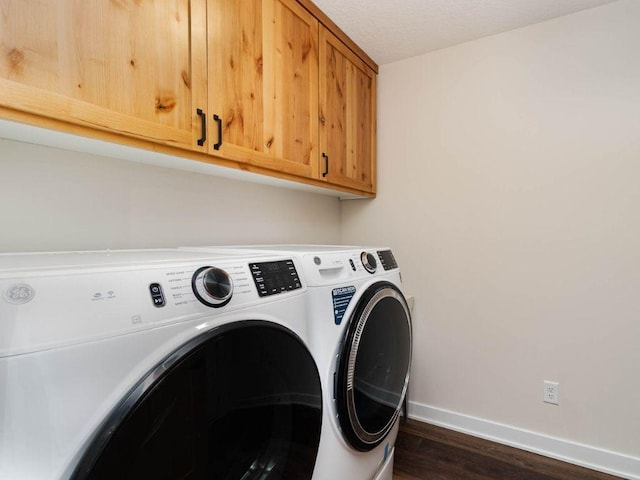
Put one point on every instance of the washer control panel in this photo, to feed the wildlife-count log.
(113, 295)
(275, 277)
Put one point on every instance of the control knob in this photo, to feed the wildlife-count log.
(368, 262)
(212, 286)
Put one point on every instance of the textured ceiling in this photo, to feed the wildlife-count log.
(390, 30)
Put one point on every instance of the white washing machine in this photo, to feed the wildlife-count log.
(156, 364)
(360, 337)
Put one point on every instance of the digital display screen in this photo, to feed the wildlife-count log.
(275, 277)
(387, 260)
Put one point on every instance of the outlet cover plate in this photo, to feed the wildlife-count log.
(551, 392)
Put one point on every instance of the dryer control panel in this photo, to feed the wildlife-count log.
(334, 268)
(387, 259)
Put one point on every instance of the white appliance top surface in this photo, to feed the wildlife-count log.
(290, 248)
(13, 262)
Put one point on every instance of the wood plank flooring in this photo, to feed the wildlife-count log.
(427, 452)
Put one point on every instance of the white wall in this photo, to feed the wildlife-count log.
(509, 188)
(52, 199)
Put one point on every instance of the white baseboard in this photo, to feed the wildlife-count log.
(594, 458)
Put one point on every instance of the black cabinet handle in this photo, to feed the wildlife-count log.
(216, 146)
(326, 164)
(203, 119)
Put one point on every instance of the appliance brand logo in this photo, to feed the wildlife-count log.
(19, 294)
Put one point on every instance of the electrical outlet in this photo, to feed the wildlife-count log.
(551, 392)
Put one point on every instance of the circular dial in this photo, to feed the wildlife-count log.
(212, 286)
(368, 262)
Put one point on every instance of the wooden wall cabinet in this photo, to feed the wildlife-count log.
(347, 116)
(260, 85)
(263, 83)
(127, 67)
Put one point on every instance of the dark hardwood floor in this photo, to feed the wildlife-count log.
(427, 452)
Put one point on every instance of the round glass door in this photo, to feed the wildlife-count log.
(242, 401)
(373, 368)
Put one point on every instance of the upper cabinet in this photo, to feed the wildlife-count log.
(260, 85)
(121, 66)
(347, 116)
(263, 84)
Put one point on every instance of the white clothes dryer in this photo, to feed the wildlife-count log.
(158, 364)
(361, 338)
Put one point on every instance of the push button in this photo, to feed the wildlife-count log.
(156, 295)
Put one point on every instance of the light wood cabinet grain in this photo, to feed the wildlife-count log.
(347, 116)
(278, 91)
(131, 67)
(263, 83)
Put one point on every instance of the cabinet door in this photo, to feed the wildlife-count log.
(263, 83)
(125, 66)
(347, 116)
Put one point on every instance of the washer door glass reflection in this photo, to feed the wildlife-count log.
(244, 404)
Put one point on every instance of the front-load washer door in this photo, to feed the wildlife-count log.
(373, 366)
(242, 401)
